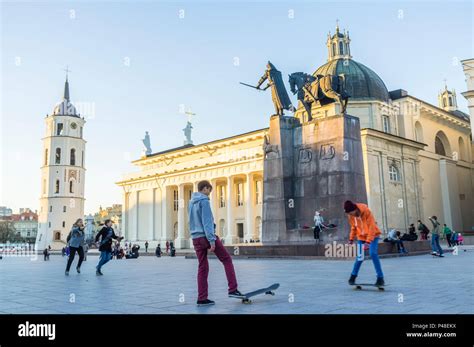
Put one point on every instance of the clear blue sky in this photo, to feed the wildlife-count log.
(190, 61)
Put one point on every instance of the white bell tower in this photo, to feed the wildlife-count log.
(62, 174)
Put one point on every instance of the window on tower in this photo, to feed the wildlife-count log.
(73, 157)
(64, 208)
(341, 48)
(64, 224)
(58, 156)
(59, 129)
(56, 188)
(71, 186)
(333, 49)
(46, 157)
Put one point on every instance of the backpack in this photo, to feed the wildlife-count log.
(68, 238)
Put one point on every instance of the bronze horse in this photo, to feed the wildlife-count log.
(320, 88)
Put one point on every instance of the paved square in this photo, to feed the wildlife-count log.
(149, 285)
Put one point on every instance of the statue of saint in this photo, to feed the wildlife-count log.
(147, 144)
(187, 133)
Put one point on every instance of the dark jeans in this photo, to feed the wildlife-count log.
(316, 230)
(399, 244)
(72, 253)
(448, 238)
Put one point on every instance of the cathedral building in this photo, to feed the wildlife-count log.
(62, 174)
(417, 163)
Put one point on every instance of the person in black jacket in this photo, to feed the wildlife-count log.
(106, 234)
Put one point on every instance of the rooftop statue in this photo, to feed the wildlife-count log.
(187, 133)
(147, 143)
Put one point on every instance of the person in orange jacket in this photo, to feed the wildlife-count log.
(364, 227)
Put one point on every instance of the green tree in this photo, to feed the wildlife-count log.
(8, 232)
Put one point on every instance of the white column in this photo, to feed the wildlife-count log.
(124, 226)
(230, 237)
(181, 241)
(166, 227)
(151, 216)
(134, 227)
(214, 198)
(249, 208)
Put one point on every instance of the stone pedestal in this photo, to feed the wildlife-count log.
(315, 165)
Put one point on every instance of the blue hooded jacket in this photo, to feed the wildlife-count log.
(201, 221)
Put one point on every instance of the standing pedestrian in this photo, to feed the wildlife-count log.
(318, 224)
(167, 247)
(424, 231)
(75, 241)
(146, 247)
(202, 229)
(448, 234)
(435, 246)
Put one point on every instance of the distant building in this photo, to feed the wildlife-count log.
(26, 224)
(5, 212)
(113, 213)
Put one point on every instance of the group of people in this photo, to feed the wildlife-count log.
(452, 238)
(363, 231)
(76, 243)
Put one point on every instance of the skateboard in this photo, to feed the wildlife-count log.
(267, 291)
(437, 255)
(359, 286)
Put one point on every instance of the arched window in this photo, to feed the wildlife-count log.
(46, 152)
(450, 101)
(56, 187)
(72, 160)
(393, 173)
(442, 146)
(57, 236)
(418, 132)
(71, 186)
(439, 147)
(333, 49)
(58, 156)
(444, 102)
(341, 48)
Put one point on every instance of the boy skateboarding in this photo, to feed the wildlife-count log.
(201, 227)
(363, 226)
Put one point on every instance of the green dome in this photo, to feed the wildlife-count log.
(361, 82)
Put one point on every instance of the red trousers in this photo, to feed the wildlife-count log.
(201, 245)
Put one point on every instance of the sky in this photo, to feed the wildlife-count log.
(136, 65)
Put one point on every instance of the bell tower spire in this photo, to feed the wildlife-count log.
(66, 85)
(338, 44)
